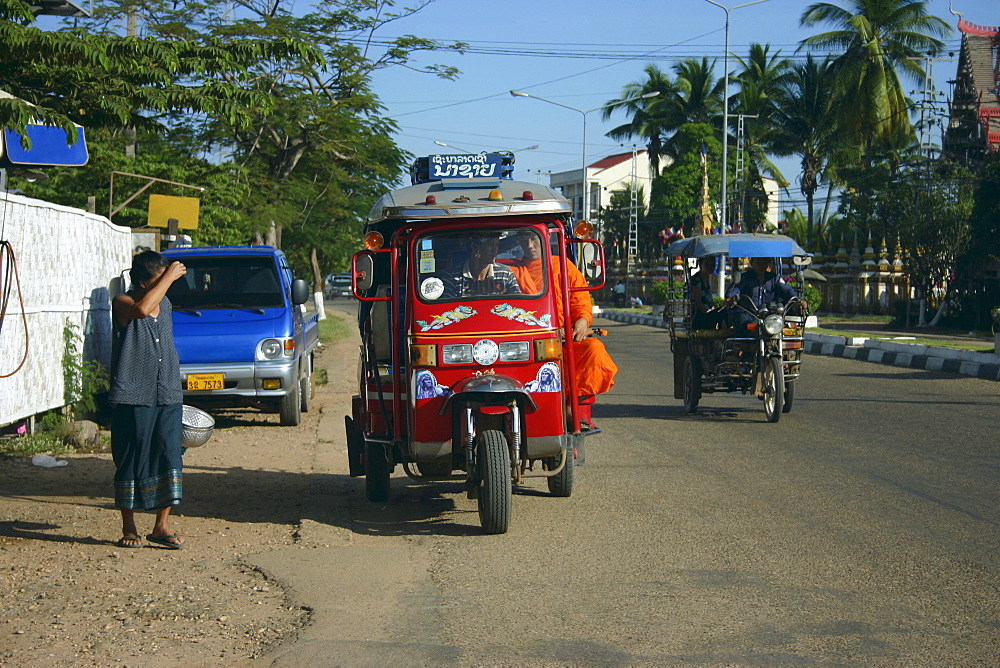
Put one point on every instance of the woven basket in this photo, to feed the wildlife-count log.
(196, 427)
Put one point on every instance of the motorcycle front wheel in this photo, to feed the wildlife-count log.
(773, 384)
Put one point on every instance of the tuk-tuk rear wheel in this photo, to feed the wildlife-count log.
(561, 484)
(789, 397)
(494, 481)
(692, 383)
(377, 471)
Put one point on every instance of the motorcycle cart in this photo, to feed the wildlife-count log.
(764, 360)
(464, 378)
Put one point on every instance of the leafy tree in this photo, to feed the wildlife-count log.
(110, 81)
(929, 214)
(879, 39)
(675, 198)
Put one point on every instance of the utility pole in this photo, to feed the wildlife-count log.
(633, 231)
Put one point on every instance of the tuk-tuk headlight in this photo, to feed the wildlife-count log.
(514, 351)
(773, 324)
(456, 353)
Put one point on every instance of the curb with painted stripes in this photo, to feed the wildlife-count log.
(890, 353)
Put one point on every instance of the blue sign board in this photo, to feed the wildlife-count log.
(48, 148)
(464, 166)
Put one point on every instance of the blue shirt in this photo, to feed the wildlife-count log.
(500, 280)
(773, 288)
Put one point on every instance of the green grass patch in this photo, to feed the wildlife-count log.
(35, 444)
(974, 346)
(333, 328)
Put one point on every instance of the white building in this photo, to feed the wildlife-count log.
(605, 176)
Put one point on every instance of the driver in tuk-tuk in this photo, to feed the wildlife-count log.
(595, 370)
(756, 288)
(481, 274)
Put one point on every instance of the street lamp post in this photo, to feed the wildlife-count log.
(725, 131)
(463, 150)
(584, 204)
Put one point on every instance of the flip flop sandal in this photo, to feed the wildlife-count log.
(165, 541)
(130, 540)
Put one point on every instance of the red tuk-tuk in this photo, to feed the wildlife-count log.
(465, 373)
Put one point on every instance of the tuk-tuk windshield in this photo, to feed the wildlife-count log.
(474, 264)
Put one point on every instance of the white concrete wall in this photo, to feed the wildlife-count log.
(65, 259)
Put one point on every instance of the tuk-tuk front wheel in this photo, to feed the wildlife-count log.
(377, 471)
(494, 481)
(773, 384)
(692, 383)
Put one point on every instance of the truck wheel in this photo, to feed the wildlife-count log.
(561, 484)
(377, 472)
(290, 406)
(306, 390)
(774, 388)
(692, 383)
(494, 482)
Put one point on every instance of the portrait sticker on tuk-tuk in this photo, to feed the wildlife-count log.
(457, 314)
(427, 266)
(546, 380)
(428, 386)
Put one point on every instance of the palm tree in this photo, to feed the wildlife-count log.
(805, 125)
(694, 96)
(652, 119)
(879, 38)
(761, 94)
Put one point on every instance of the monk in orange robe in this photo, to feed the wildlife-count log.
(595, 370)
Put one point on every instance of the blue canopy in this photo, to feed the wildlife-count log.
(737, 245)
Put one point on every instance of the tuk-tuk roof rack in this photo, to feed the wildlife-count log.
(468, 197)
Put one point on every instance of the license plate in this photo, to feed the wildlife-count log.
(205, 381)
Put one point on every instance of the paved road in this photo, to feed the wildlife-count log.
(861, 528)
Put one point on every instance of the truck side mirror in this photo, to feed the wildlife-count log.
(300, 291)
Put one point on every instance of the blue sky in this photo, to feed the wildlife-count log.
(476, 112)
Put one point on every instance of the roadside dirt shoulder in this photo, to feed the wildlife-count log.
(70, 596)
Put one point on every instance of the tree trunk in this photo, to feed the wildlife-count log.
(317, 285)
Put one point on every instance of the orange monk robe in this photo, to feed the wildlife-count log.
(595, 370)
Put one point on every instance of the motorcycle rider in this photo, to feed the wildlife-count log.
(756, 288)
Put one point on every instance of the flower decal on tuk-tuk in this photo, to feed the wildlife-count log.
(520, 315)
(457, 314)
(428, 387)
(546, 380)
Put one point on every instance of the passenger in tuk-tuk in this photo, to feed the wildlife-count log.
(595, 370)
(481, 274)
(756, 287)
(706, 316)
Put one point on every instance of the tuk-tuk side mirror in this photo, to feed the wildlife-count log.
(363, 272)
(801, 260)
(300, 291)
(591, 254)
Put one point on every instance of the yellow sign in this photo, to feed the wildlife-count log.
(164, 207)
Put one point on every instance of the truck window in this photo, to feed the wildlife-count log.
(227, 282)
(479, 264)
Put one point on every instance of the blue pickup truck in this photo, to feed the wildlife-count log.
(241, 334)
